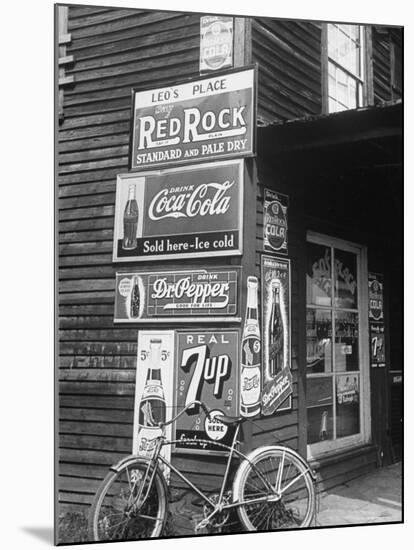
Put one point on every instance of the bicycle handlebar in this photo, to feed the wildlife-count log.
(199, 403)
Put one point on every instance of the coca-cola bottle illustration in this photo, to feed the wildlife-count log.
(129, 242)
(250, 355)
(276, 332)
(135, 299)
(152, 408)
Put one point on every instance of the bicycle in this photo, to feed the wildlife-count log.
(273, 488)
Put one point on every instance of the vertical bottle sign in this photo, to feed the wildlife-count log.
(250, 378)
(153, 390)
(277, 327)
(131, 213)
(376, 319)
(277, 377)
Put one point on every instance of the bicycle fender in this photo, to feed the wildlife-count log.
(126, 461)
(253, 454)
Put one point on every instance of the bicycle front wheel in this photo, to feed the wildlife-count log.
(282, 478)
(118, 512)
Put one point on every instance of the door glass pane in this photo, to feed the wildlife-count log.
(346, 341)
(345, 265)
(319, 408)
(319, 275)
(318, 341)
(347, 404)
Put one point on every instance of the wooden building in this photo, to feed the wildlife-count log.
(328, 136)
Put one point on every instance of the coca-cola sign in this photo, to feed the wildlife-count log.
(207, 366)
(193, 211)
(186, 296)
(277, 378)
(209, 118)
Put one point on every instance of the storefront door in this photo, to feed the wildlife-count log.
(337, 361)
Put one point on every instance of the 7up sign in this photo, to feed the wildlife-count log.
(206, 371)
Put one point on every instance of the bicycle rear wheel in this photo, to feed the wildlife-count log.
(281, 476)
(116, 513)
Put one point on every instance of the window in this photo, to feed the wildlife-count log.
(345, 67)
(336, 344)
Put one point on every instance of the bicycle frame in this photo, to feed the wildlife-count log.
(220, 505)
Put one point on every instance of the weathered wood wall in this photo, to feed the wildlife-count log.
(284, 426)
(114, 50)
(289, 57)
(387, 44)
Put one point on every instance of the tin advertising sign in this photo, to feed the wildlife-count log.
(216, 42)
(275, 221)
(377, 344)
(277, 378)
(188, 212)
(211, 118)
(376, 298)
(206, 370)
(153, 390)
(209, 294)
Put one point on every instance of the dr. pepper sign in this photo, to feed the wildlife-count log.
(210, 118)
(187, 212)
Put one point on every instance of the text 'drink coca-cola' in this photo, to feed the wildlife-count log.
(189, 212)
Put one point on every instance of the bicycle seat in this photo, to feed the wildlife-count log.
(229, 420)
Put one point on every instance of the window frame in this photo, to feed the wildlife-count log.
(316, 450)
(366, 78)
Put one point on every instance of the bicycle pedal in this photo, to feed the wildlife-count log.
(202, 525)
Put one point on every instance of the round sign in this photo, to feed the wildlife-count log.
(215, 429)
(276, 225)
(217, 44)
(124, 287)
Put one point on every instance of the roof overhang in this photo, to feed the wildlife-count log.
(359, 130)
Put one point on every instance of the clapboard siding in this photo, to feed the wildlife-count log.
(114, 51)
(281, 428)
(381, 66)
(289, 58)
(387, 63)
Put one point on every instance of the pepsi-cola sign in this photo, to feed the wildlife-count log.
(187, 212)
(210, 118)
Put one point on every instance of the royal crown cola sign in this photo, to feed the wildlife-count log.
(216, 42)
(376, 298)
(210, 118)
(275, 221)
(187, 212)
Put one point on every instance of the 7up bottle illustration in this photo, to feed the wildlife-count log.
(250, 378)
(152, 408)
